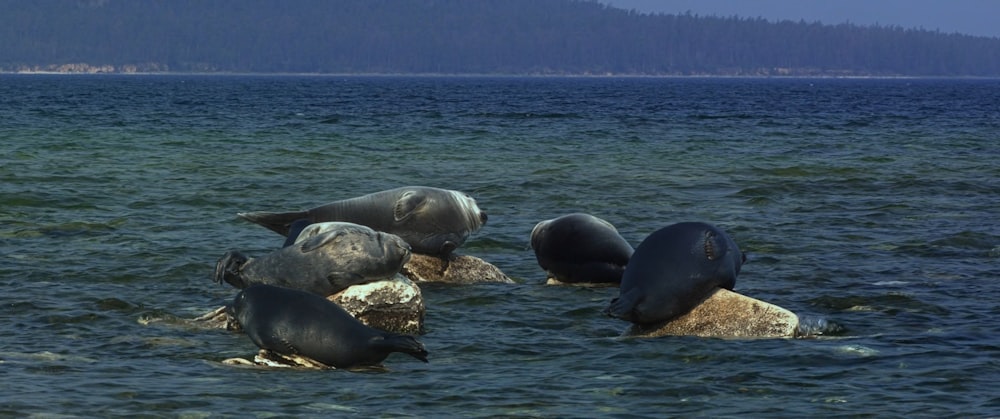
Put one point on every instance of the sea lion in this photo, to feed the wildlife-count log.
(580, 248)
(344, 254)
(433, 221)
(292, 322)
(673, 270)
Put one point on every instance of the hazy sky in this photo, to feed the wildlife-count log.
(972, 17)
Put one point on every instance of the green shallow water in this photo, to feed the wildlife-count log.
(866, 203)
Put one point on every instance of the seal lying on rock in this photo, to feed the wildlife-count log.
(393, 305)
(580, 248)
(433, 221)
(673, 270)
(322, 263)
(453, 268)
(297, 323)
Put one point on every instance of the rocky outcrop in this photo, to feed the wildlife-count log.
(726, 314)
(393, 305)
(552, 281)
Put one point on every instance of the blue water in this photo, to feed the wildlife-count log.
(867, 203)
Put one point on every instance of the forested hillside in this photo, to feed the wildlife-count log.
(458, 36)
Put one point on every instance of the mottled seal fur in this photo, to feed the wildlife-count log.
(433, 221)
(580, 248)
(329, 258)
(674, 269)
(297, 323)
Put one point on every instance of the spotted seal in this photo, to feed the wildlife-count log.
(323, 262)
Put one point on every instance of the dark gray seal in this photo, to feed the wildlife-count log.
(580, 248)
(293, 322)
(322, 262)
(673, 270)
(433, 221)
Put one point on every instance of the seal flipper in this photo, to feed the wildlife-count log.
(228, 269)
(406, 344)
(407, 204)
(624, 306)
(294, 229)
(278, 222)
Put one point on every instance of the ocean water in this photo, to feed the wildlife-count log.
(867, 203)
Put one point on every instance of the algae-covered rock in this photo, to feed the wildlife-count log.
(455, 269)
(393, 305)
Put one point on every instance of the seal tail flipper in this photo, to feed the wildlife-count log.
(278, 222)
(228, 269)
(405, 344)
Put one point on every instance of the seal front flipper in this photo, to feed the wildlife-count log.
(400, 343)
(320, 240)
(228, 269)
(294, 229)
(278, 222)
(407, 204)
(341, 280)
(625, 305)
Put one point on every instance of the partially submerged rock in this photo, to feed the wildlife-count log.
(266, 358)
(217, 319)
(456, 269)
(394, 305)
(552, 281)
(726, 314)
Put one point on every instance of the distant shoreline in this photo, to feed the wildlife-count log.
(494, 75)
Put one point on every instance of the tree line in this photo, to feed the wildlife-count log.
(460, 37)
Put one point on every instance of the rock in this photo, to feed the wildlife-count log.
(456, 269)
(726, 314)
(217, 319)
(266, 358)
(393, 305)
(553, 281)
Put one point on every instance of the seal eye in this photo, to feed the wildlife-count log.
(482, 217)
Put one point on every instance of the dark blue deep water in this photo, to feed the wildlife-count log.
(868, 203)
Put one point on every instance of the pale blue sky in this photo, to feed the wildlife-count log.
(972, 17)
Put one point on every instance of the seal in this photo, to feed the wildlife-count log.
(296, 323)
(580, 248)
(323, 262)
(673, 270)
(433, 221)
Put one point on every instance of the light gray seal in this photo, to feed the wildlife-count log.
(293, 322)
(580, 248)
(673, 270)
(433, 221)
(328, 259)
